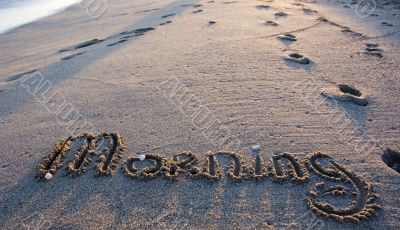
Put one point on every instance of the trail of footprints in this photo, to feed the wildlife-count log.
(371, 49)
(108, 149)
(125, 35)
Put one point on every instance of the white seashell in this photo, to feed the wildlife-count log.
(142, 157)
(48, 176)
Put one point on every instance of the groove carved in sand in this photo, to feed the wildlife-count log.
(82, 159)
(53, 160)
(157, 166)
(363, 203)
(296, 170)
(109, 148)
(110, 155)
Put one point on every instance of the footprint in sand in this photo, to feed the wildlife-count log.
(143, 30)
(288, 37)
(298, 58)
(348, 30)
(131, 36)
(71, 56)
(192, 5)
(210, 23)
(309, 11)
(18, 76)
(372, 49)
(82, 45)
(271, 23)
(387, 24)
(167, 15)
(345, 93)
(262, 7)
(136, 32)
(117, 42)
(281, 14)
(144, 11)
(165, 23)
(391, 159)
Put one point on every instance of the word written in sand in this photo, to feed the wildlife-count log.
(339, 182)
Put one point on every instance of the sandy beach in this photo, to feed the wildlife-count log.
(315, 84)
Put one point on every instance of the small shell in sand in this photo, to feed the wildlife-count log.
(142, 157)
(48, 176)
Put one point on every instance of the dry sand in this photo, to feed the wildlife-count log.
(156, 65)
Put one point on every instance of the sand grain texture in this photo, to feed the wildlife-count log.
(126, 74)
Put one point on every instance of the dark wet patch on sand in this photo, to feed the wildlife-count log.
(345, 93)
